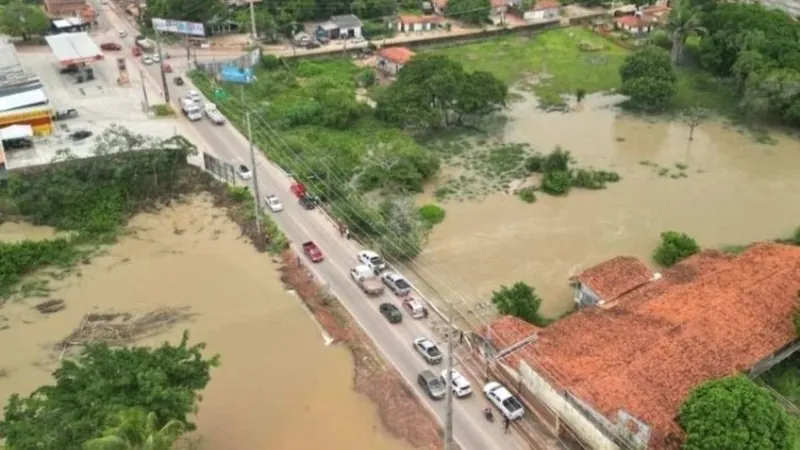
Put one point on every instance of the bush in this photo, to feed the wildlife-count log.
(593, 179)
(556, 183)
(796, 237)
(557, 160)
(162, 110)
(367, 78)
(534, 163)
(527, 194)
(239, 193)
(519, 300)
(431, 214)
(270, 62)
(660, 38)
(674, 247)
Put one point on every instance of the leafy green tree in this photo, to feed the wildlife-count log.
(480, 95)
(102, 381)
(24, 20)
(648, 79)
(190, 10)
(136, 429)
(519, 300)
(557, 182)
(674, 247)
(469, 11)
(402, 234)
(734, 414)
(775, 93)
(684, 20)
(431, 214)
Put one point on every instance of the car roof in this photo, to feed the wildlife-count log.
(428, 375)
(368, 253)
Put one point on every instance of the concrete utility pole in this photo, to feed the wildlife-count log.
(255, 173)
(448, 421)
(161, 68)
(253, 21)
(144, 91)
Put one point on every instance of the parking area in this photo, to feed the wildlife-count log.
(99, 103)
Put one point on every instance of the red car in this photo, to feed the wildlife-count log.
(136, 51)
(166, 68)
(313, 252)
(110, 46)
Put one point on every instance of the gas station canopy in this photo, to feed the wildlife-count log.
(74, 48)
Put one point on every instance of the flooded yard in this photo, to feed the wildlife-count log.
(722, 188)
(279, 386)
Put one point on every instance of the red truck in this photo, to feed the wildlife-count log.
(313, 252)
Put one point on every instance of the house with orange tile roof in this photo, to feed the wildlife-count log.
(392, 59)
(439, 6)
(409, 23)
(620, 374)
(608, 281)
(540, 10)
(636, 23)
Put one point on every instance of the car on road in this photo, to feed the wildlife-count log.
(502, 398)
(366, 280)
(156, 58)
(428, 349)
(308, 202)
(415, 308)
(312, 45)
(461, 386)
(80, 135)
(194, 95)
(213, 114)
(110, 46)
(136, 51)
(371, 260)
(147, 60)
(396, 283)
(122, 34)
(391, 312)
(178, 81)
(272, 202)
(431, 384)
(313, 252)
(244, 172)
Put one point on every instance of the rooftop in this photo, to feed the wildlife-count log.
(397, 55)
(509, 330)
(74, 48)
(615, 277)
(23, 100)
(420, 19)
(346, 21)
(12, 73)
(710, 316)
(546, 4)
(634, 21)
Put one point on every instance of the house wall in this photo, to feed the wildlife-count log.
(346, 31)
(542, 14)
(585, 296)
(586, 429)
(387, 66)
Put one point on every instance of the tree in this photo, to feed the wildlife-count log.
(775, 92)
(649, 79)
(479, 95)
(190, 10)
(136, 429)
(734, 414)
(403, 232)
(674, 247)
(90, 390)
(684, 21)
(519, 300)
(556, 182)
(693, 117)
(24, 20)
(470, 11)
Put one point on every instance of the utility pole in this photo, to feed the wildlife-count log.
(448, 421)
(255, 173)
(253, 21)
(144, 91)
(161, 68)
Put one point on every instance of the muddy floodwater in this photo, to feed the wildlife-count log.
(279, 387)
(722, 188)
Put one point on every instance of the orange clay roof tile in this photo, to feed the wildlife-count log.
(615, 277)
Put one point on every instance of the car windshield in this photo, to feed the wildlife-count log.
(434, 383)
(376, 260)
(433, 351)
(401, 283)
(512, 404)
(243, 169)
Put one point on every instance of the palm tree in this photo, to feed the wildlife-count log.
(684, 21)
(138, 430)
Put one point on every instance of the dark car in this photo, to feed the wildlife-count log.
(80, 135)
(110, 46)
(312, 45)
(431, 384)
(391, 312)
(178, 81)
(308, 202)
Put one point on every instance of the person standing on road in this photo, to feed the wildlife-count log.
(506, 424)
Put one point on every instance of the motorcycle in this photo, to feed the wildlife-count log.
(488, 414)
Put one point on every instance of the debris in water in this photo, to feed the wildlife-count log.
(50, 306)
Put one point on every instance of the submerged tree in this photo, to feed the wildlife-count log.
(136, 429)
(519, 300)
(693, 117)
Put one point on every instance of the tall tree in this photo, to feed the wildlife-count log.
(24, 20)
(684, 20)
(191, 10)
(470, 11)
(136, 429)
(649, 79)
(519, 300)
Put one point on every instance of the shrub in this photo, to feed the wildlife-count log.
(556, 183)
(162, 110)
(660, 38)
(239, 193)
(519, 300)
(674, 247)
(270, 62)
(534, 163)
(527, 194)
(557, 160)
(431, 214)
(366, 78)
(796, 237)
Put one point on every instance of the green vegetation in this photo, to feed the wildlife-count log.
(243, 210)
(23, 19)
(519, 300)
(674, 247)
(785, 378)
(527, 194)
(558, 177)
(162, 110)
(20, 259)
(470, 11)
(648, 79)
(734, 413)
(431, 214)
(136, 429)
(92, 390)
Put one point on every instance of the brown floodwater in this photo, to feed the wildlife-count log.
(734, 191)
(279, 386)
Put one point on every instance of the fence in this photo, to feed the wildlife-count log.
(246, 61)
(221, 170)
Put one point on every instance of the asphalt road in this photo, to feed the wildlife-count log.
(472, 431)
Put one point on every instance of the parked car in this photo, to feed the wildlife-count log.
(80, 135)
(391, 312)
(178, 81)
(308, 202)
(415, 308)
(166, 68)
(136, 51)
(122, 34)
(428, 350)
(244, 172)
(312, 45)
(461, 386)
(371, 260)
(396, 283)
(110, 46)
(194, 95)
(313, 252)
(147, 60)
(502, 398)
(272, 202)
(366, 280)
(63, 114)
(156, 58)
(213, 114)
(431, 384)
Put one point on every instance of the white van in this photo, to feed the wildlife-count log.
(193, 112)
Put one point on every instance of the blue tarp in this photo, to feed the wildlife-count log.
(236, 75)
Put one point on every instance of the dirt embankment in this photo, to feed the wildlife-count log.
(399, 409)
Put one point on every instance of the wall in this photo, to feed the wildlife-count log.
(585, 296)
(387, 66)
(586, 430)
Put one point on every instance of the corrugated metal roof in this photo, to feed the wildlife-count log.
(74, 47)
(16, 132)
(12, 72)
(22, 100)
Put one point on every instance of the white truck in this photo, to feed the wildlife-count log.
(213, 114)
(366, 280)
(191, 110)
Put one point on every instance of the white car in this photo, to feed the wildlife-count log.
(461, 386)
(156, 58)
(194, 95)
(122, 33)
(371, 260)
(273, 203)
(213, 114)
(357, 40)
(428, 349)
(501, 397)
(244, 172)
(147, 60)
(396, 283)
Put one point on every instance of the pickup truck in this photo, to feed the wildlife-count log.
(366, 280)
(313, 252)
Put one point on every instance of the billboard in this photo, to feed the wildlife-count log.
(179, 27)
(236, 75)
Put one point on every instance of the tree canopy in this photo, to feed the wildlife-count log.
(470, 11)
(648, 79)
(91, 390)
(734, 414)
(23, 19)
(674, 247)
(136, 429)
(519, 300)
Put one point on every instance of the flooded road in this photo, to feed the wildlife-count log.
(723, 189)
(279, 387)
